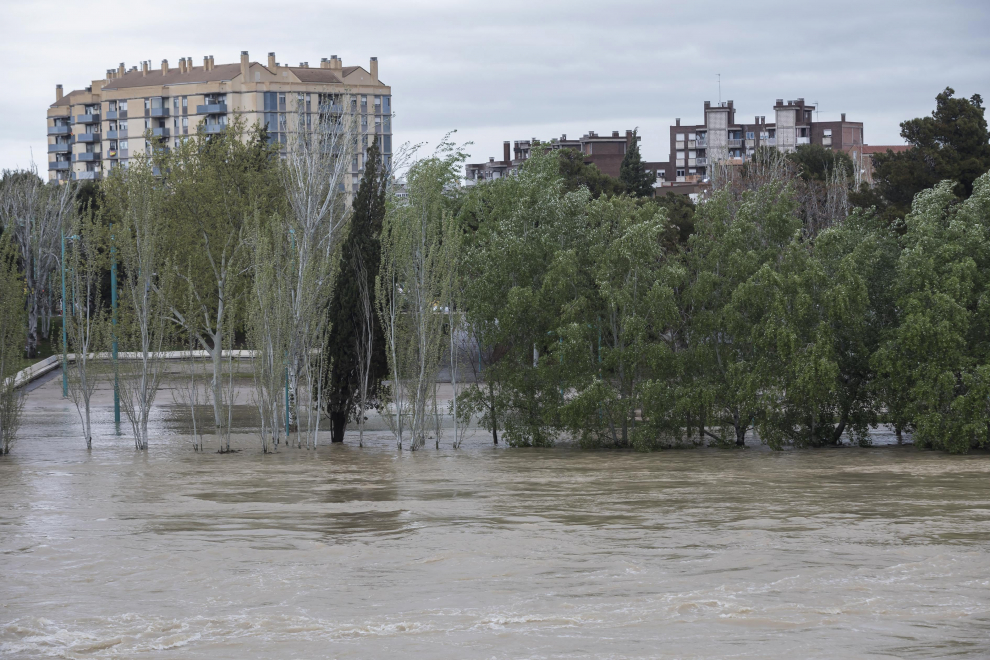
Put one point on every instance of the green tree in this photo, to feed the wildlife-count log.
(352, 324)
(936, 362)
(13, 321)
(952, 144)
(816, 163)
(577, 174)
(633, 174)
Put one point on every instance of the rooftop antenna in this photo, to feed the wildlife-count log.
(817, 118)
(719, 88)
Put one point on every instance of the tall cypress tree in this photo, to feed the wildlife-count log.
(637, 180)
(341, 378)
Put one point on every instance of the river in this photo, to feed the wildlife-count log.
(351, 552)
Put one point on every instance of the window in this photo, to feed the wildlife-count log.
(680, 154)
(680, 137)
(147, 124)
(175, 123)
(692, 136)
(692, 171)
(680, 172)
(185, 102)
(387, 104)
(123, 145)
(387, 144)
(828, 132)
(111, 105)
(750, 136)
(122, 105)
(122, 126)
(147, 104)
(176, 143)
(692, 154)
(378, 124)
(175, 103)
(185, 122)
(388, 124)
(281, 102)
(156, 102)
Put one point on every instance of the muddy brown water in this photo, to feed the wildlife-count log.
(354, 552)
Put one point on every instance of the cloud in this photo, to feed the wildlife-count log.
(514, 70)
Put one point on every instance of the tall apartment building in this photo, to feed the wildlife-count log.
(604, 151)
(94, 129)
(722, 138)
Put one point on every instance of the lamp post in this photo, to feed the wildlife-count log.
(113, 322)
(65, 352)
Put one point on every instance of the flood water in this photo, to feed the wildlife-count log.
(354, 552)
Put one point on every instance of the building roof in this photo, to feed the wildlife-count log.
(881, 149)
(308, 75)
(196, 74)
(71, 98)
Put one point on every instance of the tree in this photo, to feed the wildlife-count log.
(83, 313)
(136, 204)
(631, 303)
(523, 278)
(355, 343)
(952, 144)
(578, 174)
(632, 174)
(33, 212)
(213, 187)
(12, 321)
(413, 283)
(816, 163)
(312, 178)
(936, 361)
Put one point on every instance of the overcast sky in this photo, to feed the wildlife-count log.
(510, 70)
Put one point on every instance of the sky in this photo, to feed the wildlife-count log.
(512, 70)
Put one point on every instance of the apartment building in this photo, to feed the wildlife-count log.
(100, 127)
(604, 151)
(723, 138)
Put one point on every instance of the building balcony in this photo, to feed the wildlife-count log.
(59, 130)
(804, 140)
(213, 129)
(770, 142)
(60, 148)
(159, 112)
(91, 118)
(116, 114)
(59, 165)
(735, 144)
(701, 162)
(115, 135)
(827, 141)
(701, 144)
(86, 157)
(88, 137)
(212, 109)
(86, 176)
(160, 132)
(114, 154)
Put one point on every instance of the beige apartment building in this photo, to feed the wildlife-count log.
(95, 129)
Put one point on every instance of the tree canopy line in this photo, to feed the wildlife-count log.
(566, 305)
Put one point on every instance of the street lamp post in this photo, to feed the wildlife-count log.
(65, 352)
(113, 322)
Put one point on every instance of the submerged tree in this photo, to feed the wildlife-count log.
(136, 205)
(84, 314)
(355, 343)
(33, 212)
(412, 286)
(12, 320)
(312, 177)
